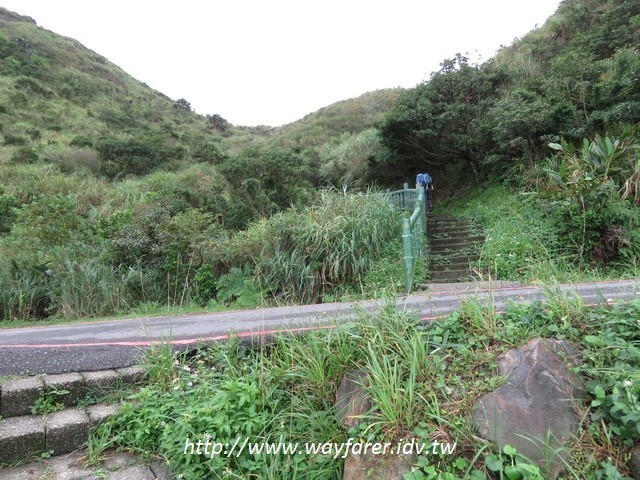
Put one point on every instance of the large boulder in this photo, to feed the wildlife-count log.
(535, 409)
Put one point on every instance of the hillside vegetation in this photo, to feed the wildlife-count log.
(114, 197)
(555, 115)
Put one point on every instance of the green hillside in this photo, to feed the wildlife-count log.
(58, 94)
(113, 196)
(554, 116)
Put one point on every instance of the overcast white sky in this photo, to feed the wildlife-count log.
(271, 62)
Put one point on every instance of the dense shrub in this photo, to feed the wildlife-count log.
(8, 204)
(347, 161)
(264, 181)
(135, 156)
(302, 255)
(595, 193)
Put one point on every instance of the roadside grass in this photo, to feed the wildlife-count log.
(422, 379)
(384, 277)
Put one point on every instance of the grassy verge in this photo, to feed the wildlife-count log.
(522, 241)
(423, 381)
(343, 247)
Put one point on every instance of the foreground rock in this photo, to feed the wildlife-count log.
(634, 462)
(377, 467)
(534, 411)
(352, 403)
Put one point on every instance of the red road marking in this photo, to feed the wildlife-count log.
(148, 343)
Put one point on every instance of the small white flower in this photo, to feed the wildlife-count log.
(186, 368)
(627, 383)
(190, 384)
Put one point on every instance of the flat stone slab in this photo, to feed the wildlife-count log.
(18, 396)
(66, 431)
(119, 466)
(377, 467)
(534, 410)
(352, 401)
(21, 437)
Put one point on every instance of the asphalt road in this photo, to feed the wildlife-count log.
(119, 343)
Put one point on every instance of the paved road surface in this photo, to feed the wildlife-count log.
(119, 343)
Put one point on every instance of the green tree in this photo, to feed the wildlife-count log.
(265, 181)
(135, 156)
(439, 123)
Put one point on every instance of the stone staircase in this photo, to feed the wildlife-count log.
(453, 244)
(53, 440)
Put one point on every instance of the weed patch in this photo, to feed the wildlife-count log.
(422, 380)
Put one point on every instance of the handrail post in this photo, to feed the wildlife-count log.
(407, 248)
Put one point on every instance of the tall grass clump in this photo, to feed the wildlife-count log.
(300, 256)
(70, 289)
(89, 288)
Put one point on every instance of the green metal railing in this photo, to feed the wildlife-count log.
(414, 228)
(404, 199)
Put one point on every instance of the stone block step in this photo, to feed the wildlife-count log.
(439, 262)
(18, 396)
(475, 239)
(462, 275)
(60, 432)
(455, 250)
(115, 465)
(450, 222)
(460, 230)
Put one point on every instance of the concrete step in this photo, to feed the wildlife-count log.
(56, 433)
(436, 217)
(450, 221)
(448, 226)
(462, 275)
(461, 229)
(457, 240)
(439, 262)
(18, 396)
(455, 250)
